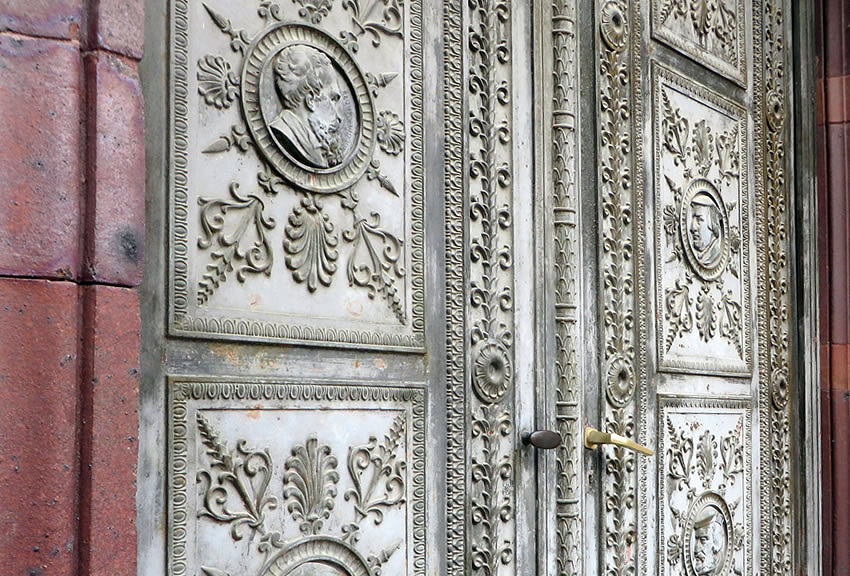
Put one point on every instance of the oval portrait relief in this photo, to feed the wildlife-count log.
(704, 226)
(708, 537)
(308, 107)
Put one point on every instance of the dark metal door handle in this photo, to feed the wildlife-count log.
(542, 439)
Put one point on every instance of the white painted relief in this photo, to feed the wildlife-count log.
(297, 205)
(701, 229)
(709, 31)
(704, 504)
(269, 479)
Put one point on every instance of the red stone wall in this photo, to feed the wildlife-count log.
(833, 119)
(72, 172)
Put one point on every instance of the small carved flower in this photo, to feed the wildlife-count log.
(619, 384)
(779, 384)
(493, 373)
(613, 25)
(390, 130)
(775, 110)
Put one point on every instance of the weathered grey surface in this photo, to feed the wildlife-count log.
(582, 208)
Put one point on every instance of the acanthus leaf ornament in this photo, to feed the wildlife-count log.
(242, 475)
(378, 474)
(375, 261)
(310, 488)
(241, 245)
(310, 244)
(375, 17)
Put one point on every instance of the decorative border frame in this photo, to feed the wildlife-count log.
(666, 403)
(180, 323)
(183, 389)
(705, 96)
(737, 74)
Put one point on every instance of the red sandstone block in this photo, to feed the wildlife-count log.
(38, 414)
(40, 158)
(115, 205)
(53, 18)
(118, 26)
(110, 445)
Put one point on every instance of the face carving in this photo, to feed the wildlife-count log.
(705, 230)
(709, 543)
(308, 88)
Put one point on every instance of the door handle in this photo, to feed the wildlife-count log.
(543, 439)
(594, 438)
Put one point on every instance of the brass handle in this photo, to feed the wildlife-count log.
(594, 438)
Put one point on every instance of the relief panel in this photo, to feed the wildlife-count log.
(701, 229)
(296, 182)
(269, 479)
(709, 31)
(704, 503)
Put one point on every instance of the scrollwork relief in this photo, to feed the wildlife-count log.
(302, 109)
(490, 346)
(710, 31)
(705, 509)
(326, 509)
(618, 25)
(702, 221)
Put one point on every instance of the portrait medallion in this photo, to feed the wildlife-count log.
(704, 226)
(708, 537)
(308, 107)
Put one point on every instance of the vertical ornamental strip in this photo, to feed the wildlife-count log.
(774, 294)
(617, 77)
(565, 251)
(490, 513)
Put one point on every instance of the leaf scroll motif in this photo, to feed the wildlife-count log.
(732, 455)
(314, 10)
(244, 473)
(216, 83)
(729, 320)
(378, 474)
(675, 129)
(310, 484)
(706, 457)
(707, 18)
(310, 244)
(677, 304)
(375, 262)
(706, 315)
(490, 505)
(375, 17)
(244, 242)
(702, 147)
(679, 456)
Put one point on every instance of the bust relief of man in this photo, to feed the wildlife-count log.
(705, 230)
(709, 550)
(307, 85)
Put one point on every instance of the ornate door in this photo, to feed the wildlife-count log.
(665, 171)
(390, 238)
(339, 329)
